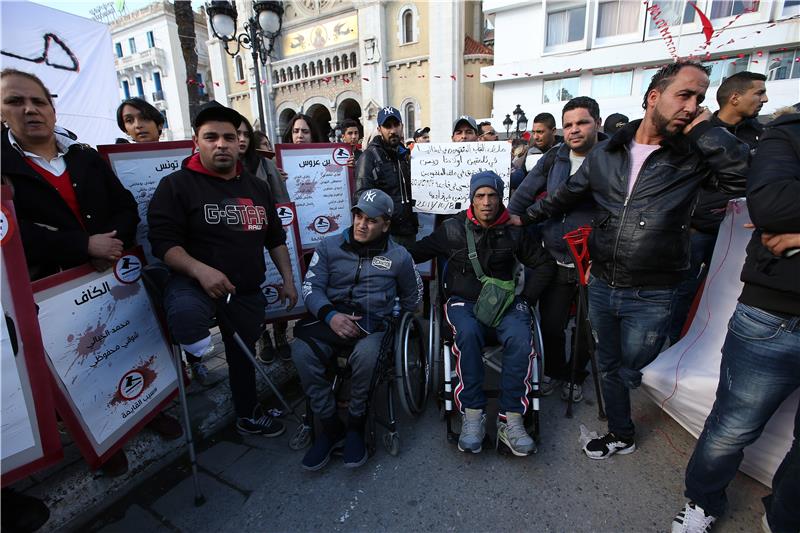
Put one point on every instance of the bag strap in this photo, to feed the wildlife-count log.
(473, 255)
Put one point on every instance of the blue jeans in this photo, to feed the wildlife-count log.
(760, 368)
(514, 333)
(630, 327)
(700, 259)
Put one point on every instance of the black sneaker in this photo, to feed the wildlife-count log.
(282, 346)
(331, 438)
(268, 353)
(199, 373)
(261, 424)
(355, 450)
(607, 445)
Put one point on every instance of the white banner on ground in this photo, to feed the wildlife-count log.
(683, 379)
(106, 349)
(440, 173)
(73, 57)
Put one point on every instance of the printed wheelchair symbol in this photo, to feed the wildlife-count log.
(322, 224)
(271, 294)
(340, 156)
(131, 385)
(286, 215)
(128, 268)
(6, 226)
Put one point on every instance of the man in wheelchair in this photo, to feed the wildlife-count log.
(479, 292)
(350, 291)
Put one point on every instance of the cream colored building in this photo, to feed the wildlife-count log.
(338, 59)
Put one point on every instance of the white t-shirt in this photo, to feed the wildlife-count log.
(639, 153)
(575, 162)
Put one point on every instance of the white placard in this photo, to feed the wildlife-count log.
(319, 186)
(107, 351)
(440, 173)
(141, 170)
(17, 432)
(426, 227)
(275, 310)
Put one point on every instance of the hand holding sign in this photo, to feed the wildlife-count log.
(105, 246)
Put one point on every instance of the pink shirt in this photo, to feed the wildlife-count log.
(639, 153)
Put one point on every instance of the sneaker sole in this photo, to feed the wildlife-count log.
(479, 450)
(624, 451)
(359, 463)
(338, 446)
(501, 443)
(278, 433)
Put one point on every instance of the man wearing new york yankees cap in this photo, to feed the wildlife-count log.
(350, 289)
(385, 165)
(498, 246)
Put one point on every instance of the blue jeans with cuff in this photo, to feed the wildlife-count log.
(760, 368)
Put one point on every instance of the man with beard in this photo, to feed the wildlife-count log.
(582, 124)
(644, 181)
(465, 130)
(740, 99)
(385, 165)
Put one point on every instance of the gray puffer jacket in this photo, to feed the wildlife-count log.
(346, 276)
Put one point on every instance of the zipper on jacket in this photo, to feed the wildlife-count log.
(355, 280)
(404, 196)
(625, 208)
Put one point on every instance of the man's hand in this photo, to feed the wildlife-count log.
(105, 246)
(351, 161)
(345, 326)
(288, 292)
(515, 220)
(215, 283)
(703, 114)
(778, 243)
(101, 265)
(283, 173)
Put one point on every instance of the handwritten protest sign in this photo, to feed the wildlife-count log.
(140, 167)
(108, 356)
(440, 173)
(426, 227)
(321, 186)
(275, 309)
(30, 439)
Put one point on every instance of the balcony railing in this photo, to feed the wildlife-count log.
(155, 57)
(158, 96)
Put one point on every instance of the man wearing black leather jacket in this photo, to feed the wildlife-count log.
(644, 181)
(385, 165)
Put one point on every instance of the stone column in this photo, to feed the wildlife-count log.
(446, 52)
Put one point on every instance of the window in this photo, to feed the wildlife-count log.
(139, 87)
(201, 87)
(647, 76)
(312, 69)
(118, 49)
(617, 17)
(305, 70)
(565, 26)
(670, 12)
(612, 84)
(151, 41)
(166, 122)
(723, 69)
(409, 119)
(353, 61)
(345, 62)
(239, 66)
(784, 65)
(297, 72)
(408, 27)
(126, 89)
(731, 8)
(132, 45)
(290, 74)
(791, 7)
(327, 64)
(336, 63)
(283, 75)
(157, 81)
(320, 67)
(560, 90)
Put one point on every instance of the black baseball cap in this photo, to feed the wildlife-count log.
(213, 110)
(614, 122)
(420, 132)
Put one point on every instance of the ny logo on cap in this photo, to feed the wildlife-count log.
(388, 110)
(369, 196)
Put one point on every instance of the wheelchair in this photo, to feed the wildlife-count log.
(402, 369)
(445, 380)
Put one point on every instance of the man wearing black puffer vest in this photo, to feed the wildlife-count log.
(761, 356)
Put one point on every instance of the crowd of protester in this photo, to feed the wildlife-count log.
(654, 191)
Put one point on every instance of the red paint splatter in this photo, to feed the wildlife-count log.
(306, 187)
(87, 344)
(147, 373)
(122, 291)
(70, 337)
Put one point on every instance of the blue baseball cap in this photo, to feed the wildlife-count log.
(387, 113)
(375, 203)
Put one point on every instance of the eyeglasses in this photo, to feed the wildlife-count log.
(492, 132)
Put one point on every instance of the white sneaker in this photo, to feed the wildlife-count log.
(473, 429)
(577, 392)
(693, 519)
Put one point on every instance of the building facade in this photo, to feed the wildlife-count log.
(150, 64)
(337, 59)
(547, 51)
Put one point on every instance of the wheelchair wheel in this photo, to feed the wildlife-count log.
(435, 347)
(411, 365)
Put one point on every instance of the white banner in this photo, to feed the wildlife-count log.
(319, 186)
(106, 350)
(683, 379)
(440, 173)
(73, 57)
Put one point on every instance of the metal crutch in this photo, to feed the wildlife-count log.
(578, 247)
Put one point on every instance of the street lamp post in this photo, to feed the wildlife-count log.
(259, 35)
(520, 119)
(507, 122)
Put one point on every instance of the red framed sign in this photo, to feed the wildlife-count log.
(321, 185)
(275, 310)
(107, 354)
(140, 167)
(30, 439)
